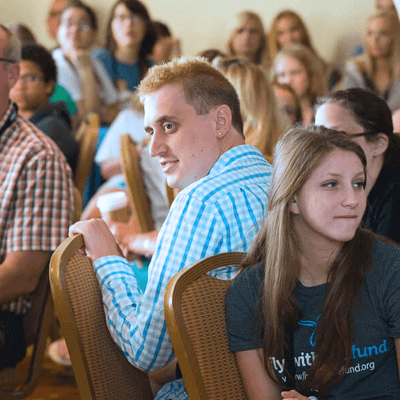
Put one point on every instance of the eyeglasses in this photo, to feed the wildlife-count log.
(121, 18)
(30, 78)
(366, 133)
(8, 60)
(83, 26)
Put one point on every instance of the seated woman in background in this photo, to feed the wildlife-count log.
(317, 313)
(129, 42)
(248, 39)
(78, 71)
(367, 118)
(288, 29)
(263, 121)
(288, 102)
(378, 70)
(297, 67)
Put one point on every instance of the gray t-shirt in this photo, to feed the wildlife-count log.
(373, 373)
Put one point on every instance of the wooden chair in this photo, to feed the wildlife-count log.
(87, 136)
(194, 308)
(102, 371)
(37, 323)
(77, 204)
(134, 181)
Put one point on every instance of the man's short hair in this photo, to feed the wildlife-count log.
(203, 86)
(40, 56)
(13, 47)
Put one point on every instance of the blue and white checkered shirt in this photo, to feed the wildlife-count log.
(221, 212)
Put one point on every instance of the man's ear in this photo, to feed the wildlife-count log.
(293, 207)
(223, 120)
(380, 145)
(49, 88)
(13, 74)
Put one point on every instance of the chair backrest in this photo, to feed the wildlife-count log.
(77, 204)
(37, 323)
(133, 175)
(194, 308)
(101, 369)
(87, 136)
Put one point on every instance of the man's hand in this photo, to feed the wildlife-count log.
(99, 241)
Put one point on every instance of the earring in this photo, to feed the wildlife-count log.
(219, 133)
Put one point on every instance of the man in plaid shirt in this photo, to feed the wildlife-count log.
(36, 206)
(192, 113)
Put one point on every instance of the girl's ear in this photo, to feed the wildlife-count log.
(293, 207)
(381, 145)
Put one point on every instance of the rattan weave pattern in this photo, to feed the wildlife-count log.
(211, 341)
(111, 375)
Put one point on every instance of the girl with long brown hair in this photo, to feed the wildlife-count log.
(316, 314)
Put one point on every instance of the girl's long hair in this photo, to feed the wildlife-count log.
(263, 122)
(150, 37)
(262, 57)
(366, 63)
(277, 246)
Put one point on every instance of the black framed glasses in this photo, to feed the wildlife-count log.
(367, 133)
(7, 60)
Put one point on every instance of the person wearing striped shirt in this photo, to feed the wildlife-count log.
(193, 116)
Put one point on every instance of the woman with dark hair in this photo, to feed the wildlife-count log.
(367, 118)
(83, 76)
(316, 313)
(129, 43)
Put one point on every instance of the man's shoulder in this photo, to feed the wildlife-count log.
(241, 171)
(28, 139)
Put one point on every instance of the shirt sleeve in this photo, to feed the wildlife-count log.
(385, 279)
(43, 206)
(388, 219)
(241, 302)
(136, 320)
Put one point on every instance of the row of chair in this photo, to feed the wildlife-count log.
(194, 307)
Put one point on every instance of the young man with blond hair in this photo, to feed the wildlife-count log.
(193, 116)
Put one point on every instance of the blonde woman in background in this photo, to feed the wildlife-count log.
(263, 121)
(248, 39)
(378, 70)
(298, 67)
(288, 29)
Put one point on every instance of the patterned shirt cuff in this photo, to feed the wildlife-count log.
(111, 266)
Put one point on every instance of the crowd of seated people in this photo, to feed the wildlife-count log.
(211, 126)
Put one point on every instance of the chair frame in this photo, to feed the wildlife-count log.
(37, 325)
(181, 332)
(66, 254)
(133, 176)
(87, 136)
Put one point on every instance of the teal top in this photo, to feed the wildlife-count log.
(61, 94)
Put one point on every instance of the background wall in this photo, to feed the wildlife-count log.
(336, 26)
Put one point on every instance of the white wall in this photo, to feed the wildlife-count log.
(336, 26)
